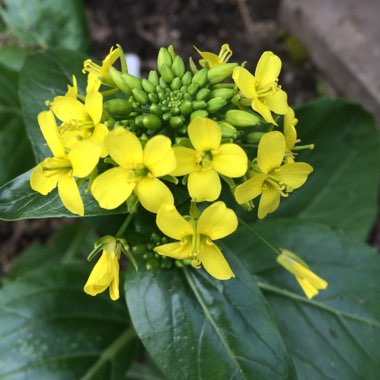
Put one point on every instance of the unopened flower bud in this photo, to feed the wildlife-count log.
(176, 84)
(153, 77)
(227, 129)
(186, 108)
(153, 97)
(199, 104)
(176, 122)
(202, 94)
(214, 105)
(117, 78)
(225, 93)
(155, 109)
(178, 66)
(220, 73)
(192, 89)
(164, 58)
(254, 137)
(240, 118)
(131, 81)
(167, 73)
(140, 96)
(200, 78)
(186, 79)
(198, 113)
(193, 66)
(148, 86)
(151, 122)
(120, 107)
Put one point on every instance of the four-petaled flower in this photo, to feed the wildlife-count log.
(211, 60)
(207, 160)
(270, 178)
(195, 237)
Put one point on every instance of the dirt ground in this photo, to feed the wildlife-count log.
(141, 27)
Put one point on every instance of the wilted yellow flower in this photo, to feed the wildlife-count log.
(138, 171)
(105, 273)
(309, 281)
(207, 160)
(262, 89)
(271, 179)
(211, 60)
(195, 237)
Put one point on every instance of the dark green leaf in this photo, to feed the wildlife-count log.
(342, 190)
(336, 335)
(13, 56)
(58, 23)
(195, 327)
(50, 329)
(19, 201)
(44, 76)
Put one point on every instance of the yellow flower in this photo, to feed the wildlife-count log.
(290, 133)
(211, 60)
(309, 281)
(271, 179)
(138, 171)
(60, 169)
(207, 160)
(195, 237)
(105, 273)
(262, 89)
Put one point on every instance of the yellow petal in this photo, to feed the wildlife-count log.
(67, 108)
(186, 159)
(114, 287)
(269, 201)
(211, 58)
(204, 185)
(41, 183)
(112, 188)
(159, 156)
(124, 147)
(263, 109)
(204, 134)
(72, 90)
(84, 157)
(69, 193)
(294, 174)
(268, 69)
(172, 223)
(271, 151)
(230, 160)
(303, 272)
(94, 106)
(214, 262)
(278, 102)
(245, 81)
(217, 221)
(178, 250)
(98, 136)
(250, 189)
(49, 129)
(153, 193)
(308, 289)
(290, 131)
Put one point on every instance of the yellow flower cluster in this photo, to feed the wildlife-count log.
(140, 157)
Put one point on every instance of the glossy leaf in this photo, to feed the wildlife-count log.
(195, 327)
(336, 334)
(58, 23)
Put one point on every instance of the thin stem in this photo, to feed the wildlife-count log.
(302, 147)
(275, 249)
(124, 226)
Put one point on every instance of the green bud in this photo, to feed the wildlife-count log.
(198, 113)
(153, 77)
(186, 79)
(178, 66)
(192, 89)
(151, 122)
(131, 81)
(254, 137)
(187, 96)
(214, 105)
(139, 121)
(140, 96)
(176, 122)
(202, 94)
(200, 78)
(227, 129)
(240, 118)
(235, 99)
(153, 97)
(117, 78)
(164, 58)
(166, 116)
(166, 73)
(176, 84)
(224, 93)
(148, 86)
(199, 104)
(118, 106)
(220, 73)
(175, 111)
(192, 65)
(186, 107)
(152, 264)
(172, 52)
(155, 109)
(162, 84)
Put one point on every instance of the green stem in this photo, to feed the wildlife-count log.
(124, 226)
(275, 249)
(303, 147)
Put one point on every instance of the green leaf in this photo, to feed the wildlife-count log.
(19, 201)
(13, 56)
(58, 23)
(15, 151)
(336, 334)
(44, 76)
(196, 327)
(342, 190)
(50, 329)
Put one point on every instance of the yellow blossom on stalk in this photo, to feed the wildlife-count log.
(195, 237)
(207, 160)
(105, 273)
(270, 178)
(262, 88)
(211, 60)
(309, 281)
(138, 171)
(61, 169)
